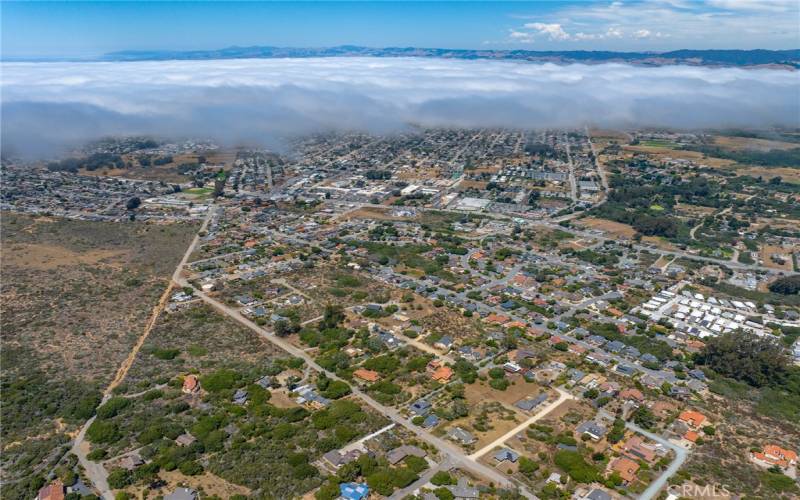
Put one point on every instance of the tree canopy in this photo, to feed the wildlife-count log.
(741, 356)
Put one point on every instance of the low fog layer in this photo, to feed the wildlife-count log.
(47, 106)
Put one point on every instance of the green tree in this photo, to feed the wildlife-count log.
(119, 478)
(442, 478)
(749, 358)
(644, 417)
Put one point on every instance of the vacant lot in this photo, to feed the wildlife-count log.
(608, 226)
(780, 253)
(662, 152)
(75, 296)
(195, 339)
(518, 389)
(740, 143)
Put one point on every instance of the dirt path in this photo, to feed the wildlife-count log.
(694, 230)
(126, 365)
(422, 346)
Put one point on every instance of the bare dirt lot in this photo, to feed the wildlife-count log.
(613, 228)
(740, 143)
(519, 389)
(767, 251)
(372, 213)
(662, 152)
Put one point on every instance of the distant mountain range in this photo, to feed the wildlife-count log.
(757, 57)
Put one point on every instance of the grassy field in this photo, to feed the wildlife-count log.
(659, 143)
(75, 296)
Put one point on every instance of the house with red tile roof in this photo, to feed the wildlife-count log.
(632, 394)
(498, 319)
(626, 468)
(635, 448)
(191, 384)
(692, 418)
(442, 374)
(53, 491)
(366, 375)
(774, 455)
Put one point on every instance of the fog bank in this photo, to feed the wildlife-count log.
(47, 106)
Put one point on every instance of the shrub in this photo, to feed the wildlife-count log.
(102, 431)
(416, 464)
(190, 468)
(166, 354)
(443, 494)
(97, 454)
(442, 478)
(112, 407)
(220, 380)
(576, 467)
(119, 478)
(501, 384)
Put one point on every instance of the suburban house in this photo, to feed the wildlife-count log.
(401, 452)
(692, 418)
(506, 455)
(461, 435)
(191, 384)
(53, 491)
(774, 455)
(336, 459)
(366, 375)
(626, 468)
(444, 343)
(632, 394)
(442, 374)
(593, 429)
(528, 404)
(353, 491)
(185, 439)
(420, 407)
(636, 449)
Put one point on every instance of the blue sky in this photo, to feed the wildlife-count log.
(77, 29)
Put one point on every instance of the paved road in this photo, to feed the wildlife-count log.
(573, 185)
(681, 454)
(95, 472)
(562, 396)
(455, 454)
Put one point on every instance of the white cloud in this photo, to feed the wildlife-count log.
(553, 31)
(263, 100)
(687, 24)
(756, 5)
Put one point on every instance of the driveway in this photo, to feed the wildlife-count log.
(562, 396)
